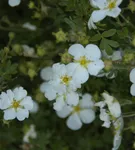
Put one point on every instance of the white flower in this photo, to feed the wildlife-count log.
(28, 51)
(30, 134)
(86, 61)
(35, 107)
(82, 113)
(16, 104)
(46, 73)
(13, 3)
(106, 8)
(113, 111)
(132, 79)
(118, 126)
(29, 26)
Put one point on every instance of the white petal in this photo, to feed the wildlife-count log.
(92, 52)
(91, 24)
(19, 93)
(98, 3)
(13, 3)
(72, 98)
(5, 101)
(95, 67)
(100, 104)
(115, 109)
(46, 73)
(29, 26)
(117, 55)
(118, 2)
(106, 124)
(27, 102)
(132, 75)
(35, 107)
(87, 115)
(74, 122)
(22, 114)
(108, 98)
(64, 112)
(114, 12)
(47, 88)
(116, 142)
(9, 114)
(10, 95)
(59, 104)
(81, 74)
(98, 15)
(86, 101)
(132, 90)
(76, 50)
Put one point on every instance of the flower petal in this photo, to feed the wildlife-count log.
(72, 98)
(13, 3)
(59, 104)
(9, 114)
(91, 24)
(92, 52)
(95, 67)
(132, 75)
(5, 101)
(118, 2)
(98, 15)
(86, 101)
(46, 73)
(74, 122)
(114, 12)
(98, 3)
(87, 115)
(19, 93)
(132, 90)
(76, 50)
(27, 102)
(22, 114)
(65, 111)
(81, 74)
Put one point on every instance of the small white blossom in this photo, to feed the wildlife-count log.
(28, 51)
(16, 104)
(13, 3)
(132, 79)
(30, 134)
(82, 113)
(106, 8)
(86, 61)
(29, 26)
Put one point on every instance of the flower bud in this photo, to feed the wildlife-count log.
(108, 65)
(66, 58)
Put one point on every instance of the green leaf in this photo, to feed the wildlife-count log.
(109, 33)
(113, 43)
(96, 37)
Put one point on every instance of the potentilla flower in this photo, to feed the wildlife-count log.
(13, 3)
(29, 26)
(106, 8)
(82, 113)
(30, 134)
(132, 79)
(86, 61)
(16, 104)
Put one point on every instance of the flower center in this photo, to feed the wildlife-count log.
(112, 5)
(15, 104)
(66, 79)
(77, 109)
(83, 61)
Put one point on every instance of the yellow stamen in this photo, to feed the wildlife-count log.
(83, 61)
(77, 109)
(65, 79)
(112, 5)
(15, 104)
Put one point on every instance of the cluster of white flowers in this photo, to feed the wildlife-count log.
(62, 81)
(132, 79)
(111, 114)
(16, 104)
(106, 8)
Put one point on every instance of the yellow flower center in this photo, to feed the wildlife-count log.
(65, 79)
(83, 61)
(15, 104)
(76, 109)
(112, 5)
